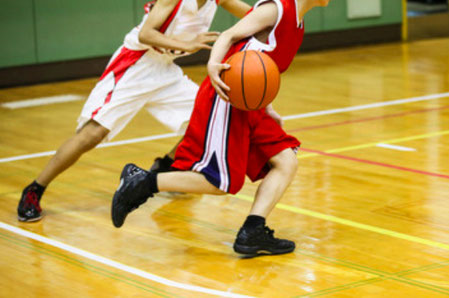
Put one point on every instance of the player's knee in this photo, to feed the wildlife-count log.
(91, 135)
(286, 162)
(218, 192)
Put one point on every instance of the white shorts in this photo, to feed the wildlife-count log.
(139, 79)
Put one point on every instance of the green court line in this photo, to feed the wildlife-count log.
(88, 266)
(381, 275)
(423, 268)
(398, 276)
(370, 228)
(342, 287)
(423, 285)
(353, 224)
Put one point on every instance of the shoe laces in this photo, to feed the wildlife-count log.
(135, 170)
(32, 199)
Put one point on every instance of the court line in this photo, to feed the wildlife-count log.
(353, 224)
(423, 268)
(368, 106)
(343, 287)
(385, 277)
(41, 101)
(373, 144)
(371, 162)
(103, 145)
(366, 119)
(87, 266)
(378, 273)
(117, 265)
(297, 116)
(303, 252)
(395, 147)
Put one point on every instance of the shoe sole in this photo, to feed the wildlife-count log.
(24, 219)
(251, 250)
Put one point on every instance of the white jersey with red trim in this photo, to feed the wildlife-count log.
(184, 23)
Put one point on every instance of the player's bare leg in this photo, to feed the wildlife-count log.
(188, 182)
(254, 236)
(69, 152)
(273, 186)
(137, 185)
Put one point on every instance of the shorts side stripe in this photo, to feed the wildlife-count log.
(118, 67)
(197, 166)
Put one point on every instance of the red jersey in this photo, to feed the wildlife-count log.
(224, 143)
(283, 41)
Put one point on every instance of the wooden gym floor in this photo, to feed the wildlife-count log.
(368, 208)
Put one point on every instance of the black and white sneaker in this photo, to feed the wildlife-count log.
(260, 240)
(132, 192)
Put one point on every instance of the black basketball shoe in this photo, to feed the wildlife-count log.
(162, 164)
(132, 192)
(29, 208)
(260, 240)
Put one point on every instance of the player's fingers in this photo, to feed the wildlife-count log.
(206, 46)
(212, 33)
(208, 39)
(222, 84)
(220, 92)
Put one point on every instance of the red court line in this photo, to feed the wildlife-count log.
(367, 119)
(376, 163)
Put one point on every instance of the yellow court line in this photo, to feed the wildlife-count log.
(353, 224)
(362, 146)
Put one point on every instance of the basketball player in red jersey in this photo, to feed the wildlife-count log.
(222, 143)
(141, 74)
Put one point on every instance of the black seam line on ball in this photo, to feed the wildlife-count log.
(265, 85)
(243, 80)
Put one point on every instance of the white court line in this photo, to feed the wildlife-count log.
(297, 116)
(395, 147)
(41, 101)
(368, 106)
(117, 265)
(108, 144)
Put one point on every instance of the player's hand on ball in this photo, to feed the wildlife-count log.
(273, 114)
(214, 70)
(202, 41)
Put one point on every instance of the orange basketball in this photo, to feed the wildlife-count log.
(253, 78)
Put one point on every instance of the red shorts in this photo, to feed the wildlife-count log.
(225, 143)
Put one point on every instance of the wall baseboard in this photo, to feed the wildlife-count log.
(93, 67)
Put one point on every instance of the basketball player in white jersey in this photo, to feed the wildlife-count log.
(140, 74)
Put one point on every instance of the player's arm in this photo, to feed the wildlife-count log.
(149, 33)
(236, 7)
(263, 17)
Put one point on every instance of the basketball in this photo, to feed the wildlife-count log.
(253, 78)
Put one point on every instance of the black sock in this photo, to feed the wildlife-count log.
(253, 221)
(167, 161)
(39, 189)
(152, 182)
